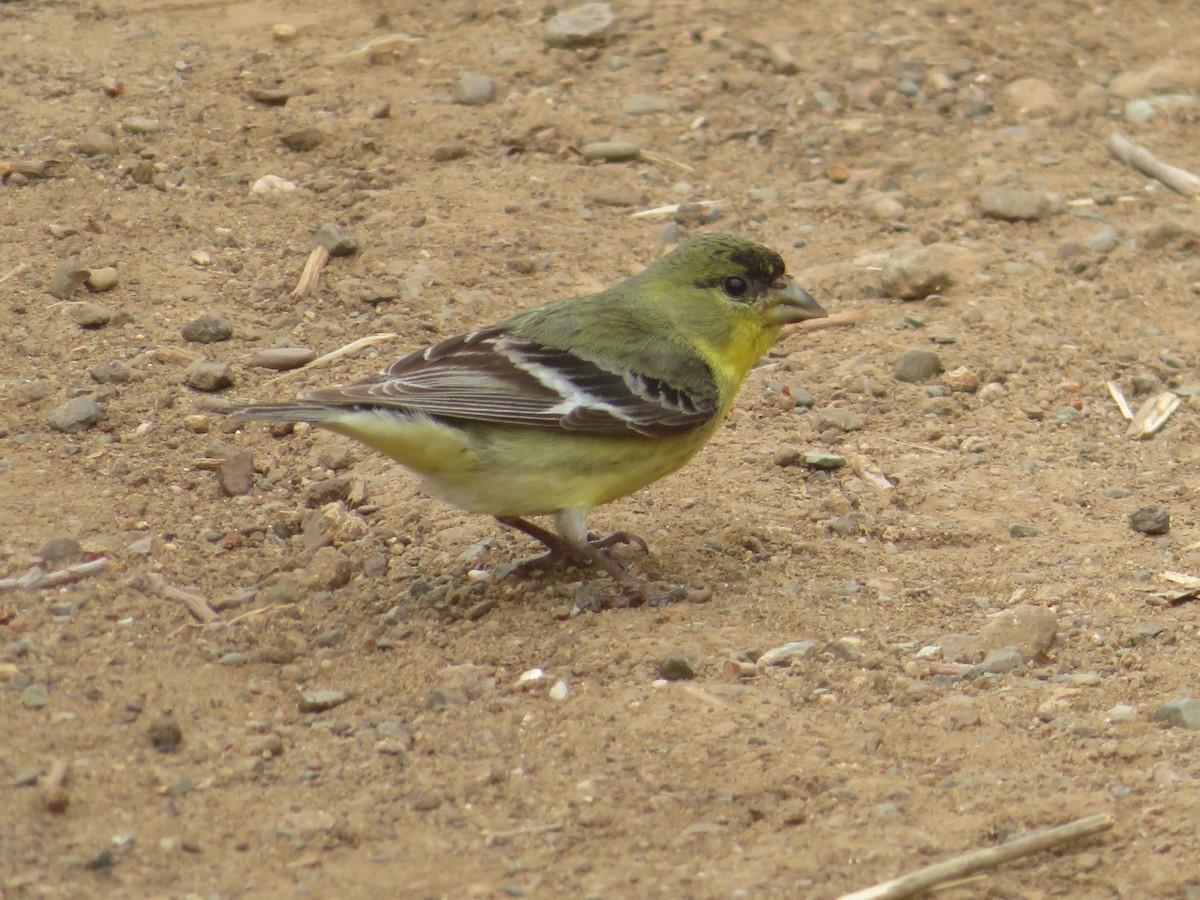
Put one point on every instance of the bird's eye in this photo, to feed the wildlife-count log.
(734, 286)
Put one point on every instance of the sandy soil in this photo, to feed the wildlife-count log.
(854, 138)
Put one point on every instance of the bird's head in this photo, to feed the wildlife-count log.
(746, 279)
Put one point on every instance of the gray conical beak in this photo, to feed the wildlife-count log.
(787, 302)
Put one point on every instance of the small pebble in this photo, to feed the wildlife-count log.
(676, 667)
(474, 89)
(207, 329)
(611, 151)
(35, 696)
(448, 152)
(1005, 659)
(1150, 520)
(140, 125)
(67, 279)
(102, 279)
(76, 415)
(1030, 629)
(917, 365)
(235, 474)
(782, 656)
(302, 139)
(321, 701)
(208, 376)
(91, 315)
(164, 733)
(1182, 713)
(60, 552)
(584, 26)
(270, 96)
(282, 359)
(97, 143)
(1015, 205)
(336, 239)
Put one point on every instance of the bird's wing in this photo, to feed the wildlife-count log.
(491, 375)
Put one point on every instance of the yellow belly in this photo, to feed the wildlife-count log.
(511, 471)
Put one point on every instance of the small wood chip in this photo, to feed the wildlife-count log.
(1153, 415)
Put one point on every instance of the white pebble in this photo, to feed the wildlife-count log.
(560, 690)
(271, 184)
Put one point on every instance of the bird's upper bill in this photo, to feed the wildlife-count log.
(787, 302)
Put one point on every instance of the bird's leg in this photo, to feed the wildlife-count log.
(571, 547)
(555, 544)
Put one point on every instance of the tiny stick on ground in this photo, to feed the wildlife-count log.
(925, 879)
(1179, 180)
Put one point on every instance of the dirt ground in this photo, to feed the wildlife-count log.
(358, 721)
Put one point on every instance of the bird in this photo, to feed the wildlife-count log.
(564, 407)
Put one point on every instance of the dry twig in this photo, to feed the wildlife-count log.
(836, 320)
(1179, 180)
(54, 787)
(926, 879)
(37, 578)
(157, 585)
(313, 266)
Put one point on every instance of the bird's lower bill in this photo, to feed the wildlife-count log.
(788, 303)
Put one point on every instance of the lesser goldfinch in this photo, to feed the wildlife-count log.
(566, 406)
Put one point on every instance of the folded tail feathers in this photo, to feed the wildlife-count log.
(297, 411)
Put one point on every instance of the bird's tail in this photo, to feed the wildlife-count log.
(296, 411)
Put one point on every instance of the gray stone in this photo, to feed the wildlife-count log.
(302, 139)
(1162, 234)
(235, 474)
(141, 125)
(676, 667)
(611, 151)
(782, 656)
(474, 89)
(1005, 659)
(589, 25)
(110, 372)
(208, 376)
(1102, 242)
(1182, 713)
(59, 552)
(328, 570)
(817, 459)
(645, 104)
(97, 143)
(282, 359)
(164, 733)
(67, 279)
(1150, 520)
(35, 696)
(840, 420)
(207, 329)
(76, 415)
(91, 315)
(1031, 629)
(336, 239)
(1016, 205)
(320, 701)
(958, 646)
(917, 365)
(915, 275)
(1022, 530)
(1033, 96)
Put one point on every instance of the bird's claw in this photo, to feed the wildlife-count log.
(616, 538)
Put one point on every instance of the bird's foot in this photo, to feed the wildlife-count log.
(616, 538)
